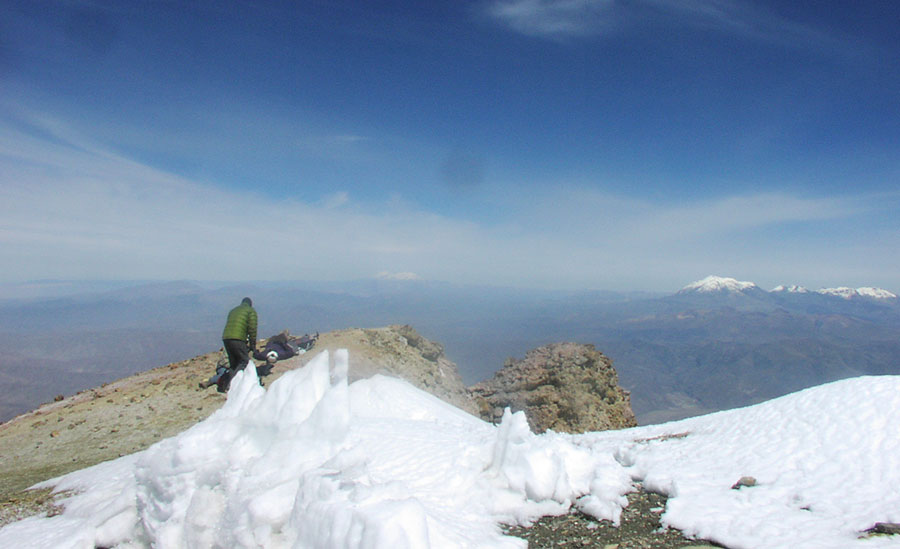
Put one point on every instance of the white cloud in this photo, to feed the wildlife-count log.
(579, 18)
(741, 18)
(70, 209)
(552, 18)
(335, 200)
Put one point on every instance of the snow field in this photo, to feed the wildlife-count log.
(825, 459)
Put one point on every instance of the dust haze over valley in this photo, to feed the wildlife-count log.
(703, 349)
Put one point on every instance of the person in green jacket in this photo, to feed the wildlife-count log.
(239, 339)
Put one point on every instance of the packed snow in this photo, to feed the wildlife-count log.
(311, 461)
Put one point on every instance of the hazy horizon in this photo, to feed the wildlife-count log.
(676, 352)
(52, 288)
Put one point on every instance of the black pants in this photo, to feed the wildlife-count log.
(238, 356)
(238, 353)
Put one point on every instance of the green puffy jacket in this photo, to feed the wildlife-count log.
(241, 325)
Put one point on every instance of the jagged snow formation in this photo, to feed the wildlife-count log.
(718, 284)
(314, 462)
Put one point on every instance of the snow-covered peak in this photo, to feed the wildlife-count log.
(850, 293)
(718, 284)
(876, 293)
(792, 289)
(841, 291)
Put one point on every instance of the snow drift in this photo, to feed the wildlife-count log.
(314, 462)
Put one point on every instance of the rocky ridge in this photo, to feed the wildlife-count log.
(402, 352)
(130, 414)
(566, 387)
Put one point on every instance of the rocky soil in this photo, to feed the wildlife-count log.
(639, 528)
(401, 352)
(566, 387)
(130, 414)
(113, 420)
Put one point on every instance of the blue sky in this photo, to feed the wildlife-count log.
(561, 144)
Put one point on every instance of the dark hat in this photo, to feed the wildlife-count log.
(247, 301)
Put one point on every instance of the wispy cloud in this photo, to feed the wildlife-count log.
(768, 237)
(72, 209)
(553, 18)
(333, 146)
(335, 200)
(559, 19)
(338, 140)
(740, 18)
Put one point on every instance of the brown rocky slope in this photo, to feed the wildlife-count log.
(130, 414)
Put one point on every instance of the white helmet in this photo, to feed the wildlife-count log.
(272, 355)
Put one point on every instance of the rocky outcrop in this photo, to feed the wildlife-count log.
(564, 387)
(400, 351)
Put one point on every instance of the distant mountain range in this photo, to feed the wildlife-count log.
(718, 343)
(717, 284)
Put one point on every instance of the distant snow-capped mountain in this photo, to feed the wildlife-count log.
(877, 293)
(792, 289)
(712, 284)
(718, 284)
(850, 293)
